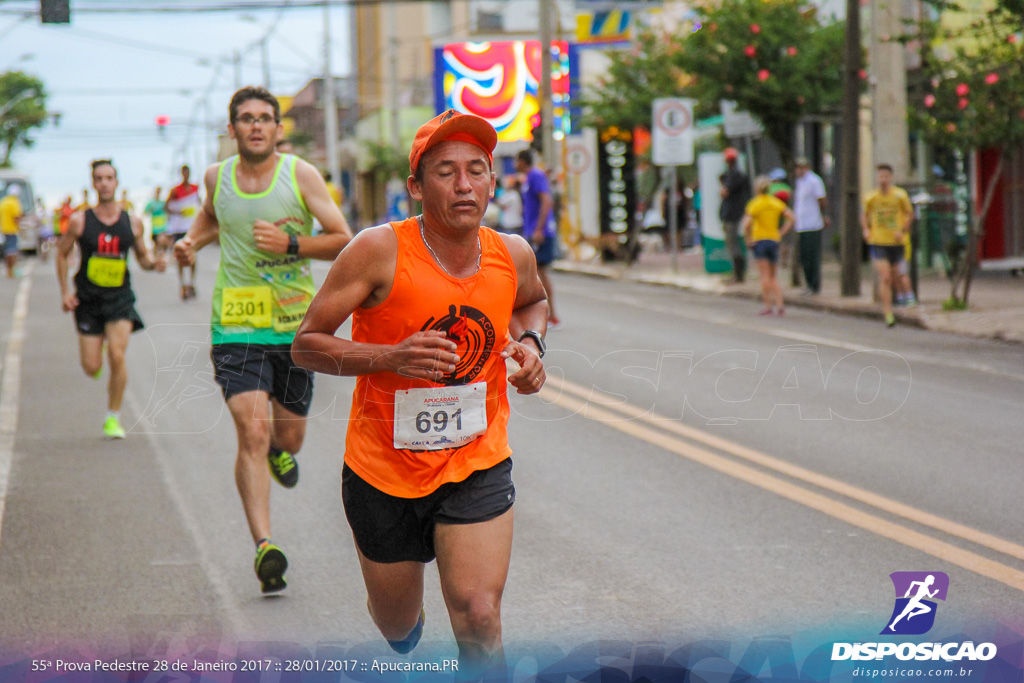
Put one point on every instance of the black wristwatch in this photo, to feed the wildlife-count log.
(293, 244)
(539, 340)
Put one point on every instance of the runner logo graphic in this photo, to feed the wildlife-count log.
(916, 592)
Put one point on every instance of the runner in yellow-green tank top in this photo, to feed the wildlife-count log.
(261, 206)
(260, 297)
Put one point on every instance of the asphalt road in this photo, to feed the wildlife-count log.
(691, 471)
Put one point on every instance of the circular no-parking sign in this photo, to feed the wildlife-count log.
(672, 131)
(577, 158)
(672, 117)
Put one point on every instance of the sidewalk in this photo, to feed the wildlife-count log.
(996, 298)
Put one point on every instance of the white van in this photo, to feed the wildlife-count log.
(30, 225)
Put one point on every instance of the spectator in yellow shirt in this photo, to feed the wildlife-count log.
(761, 228)
(333, 190)
(10, 213)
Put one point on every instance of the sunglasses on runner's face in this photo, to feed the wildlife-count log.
(249, 119)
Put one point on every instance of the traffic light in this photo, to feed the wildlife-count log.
(162, 122)
(55, 11)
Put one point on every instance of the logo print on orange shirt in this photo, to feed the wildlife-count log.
(474, 334)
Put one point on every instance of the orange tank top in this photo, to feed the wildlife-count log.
(475, 313)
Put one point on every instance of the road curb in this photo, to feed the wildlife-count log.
(915, 317)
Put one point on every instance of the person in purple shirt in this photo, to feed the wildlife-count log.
(539, 223)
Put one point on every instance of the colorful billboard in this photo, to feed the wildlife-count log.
(499, 81)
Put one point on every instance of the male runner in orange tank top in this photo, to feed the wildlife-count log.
(438, 304)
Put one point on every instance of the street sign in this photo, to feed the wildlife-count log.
(672, 132)
(739, 124)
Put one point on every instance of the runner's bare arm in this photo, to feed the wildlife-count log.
(336, 232)
(204, 228)
(529, 312)
(362, 276)
(76, 224)
(325, 246)
(141, 251)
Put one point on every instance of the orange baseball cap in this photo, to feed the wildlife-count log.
(731, 154)
(453, 125)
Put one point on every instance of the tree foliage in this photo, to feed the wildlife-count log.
(973, 97)
(777, 60)
(635, 78)
(22, 109)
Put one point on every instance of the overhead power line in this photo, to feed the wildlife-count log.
(17, 7)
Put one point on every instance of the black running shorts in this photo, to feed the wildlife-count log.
(391, 529)
(239, 368)
(92, 316)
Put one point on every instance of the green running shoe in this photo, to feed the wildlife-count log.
(270, 567)
(112, 429)
(283, 467)
(890, 319)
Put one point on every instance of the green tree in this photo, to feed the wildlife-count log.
(22, 109)
(973, 100)
(776, 60)
(636, 77)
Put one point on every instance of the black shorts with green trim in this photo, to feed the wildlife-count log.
(239, 368)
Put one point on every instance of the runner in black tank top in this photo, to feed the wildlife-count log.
(103, 301)
(103, 275)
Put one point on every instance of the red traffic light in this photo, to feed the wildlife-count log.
(163, 120)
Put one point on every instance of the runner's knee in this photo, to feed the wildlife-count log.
(289, 440)
(90, 367)
(115, 354)
(478, 614)
(254, 439)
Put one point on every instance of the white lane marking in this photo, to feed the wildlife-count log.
(221, 586)
(10, 388)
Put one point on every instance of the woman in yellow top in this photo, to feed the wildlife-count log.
(761, 228)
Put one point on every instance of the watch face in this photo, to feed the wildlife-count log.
(537, 339)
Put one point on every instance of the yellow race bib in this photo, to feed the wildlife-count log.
(247, 306)
(106, 272)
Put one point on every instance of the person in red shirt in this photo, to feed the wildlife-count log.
(183, 203)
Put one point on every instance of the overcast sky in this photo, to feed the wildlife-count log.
(110, 75)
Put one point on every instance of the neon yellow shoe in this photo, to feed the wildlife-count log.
(283, 467)
(270, 567)
(112, 429)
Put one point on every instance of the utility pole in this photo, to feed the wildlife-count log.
(889, 89)
(850, 231)
(393, 83)
(330, 105)
(265, 59)
(547, 111)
